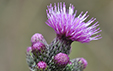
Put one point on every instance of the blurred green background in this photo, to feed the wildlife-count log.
(20, 19)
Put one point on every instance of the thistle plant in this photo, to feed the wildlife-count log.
(41, 56)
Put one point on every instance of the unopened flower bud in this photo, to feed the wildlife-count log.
(36, 38)
(41, 65)
(70, 62)
(29, 49)
(61, 59)
(38, 47)
(83, 62)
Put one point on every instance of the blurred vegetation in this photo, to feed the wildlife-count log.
(20, 19)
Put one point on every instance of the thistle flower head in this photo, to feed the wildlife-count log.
(41, 65)
(61, 59)
(68, 26)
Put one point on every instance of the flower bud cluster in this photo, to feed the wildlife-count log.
(44, 57)
(36, 52)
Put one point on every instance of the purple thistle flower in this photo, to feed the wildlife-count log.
(70, 27)
(61, 59)
(41, 65)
